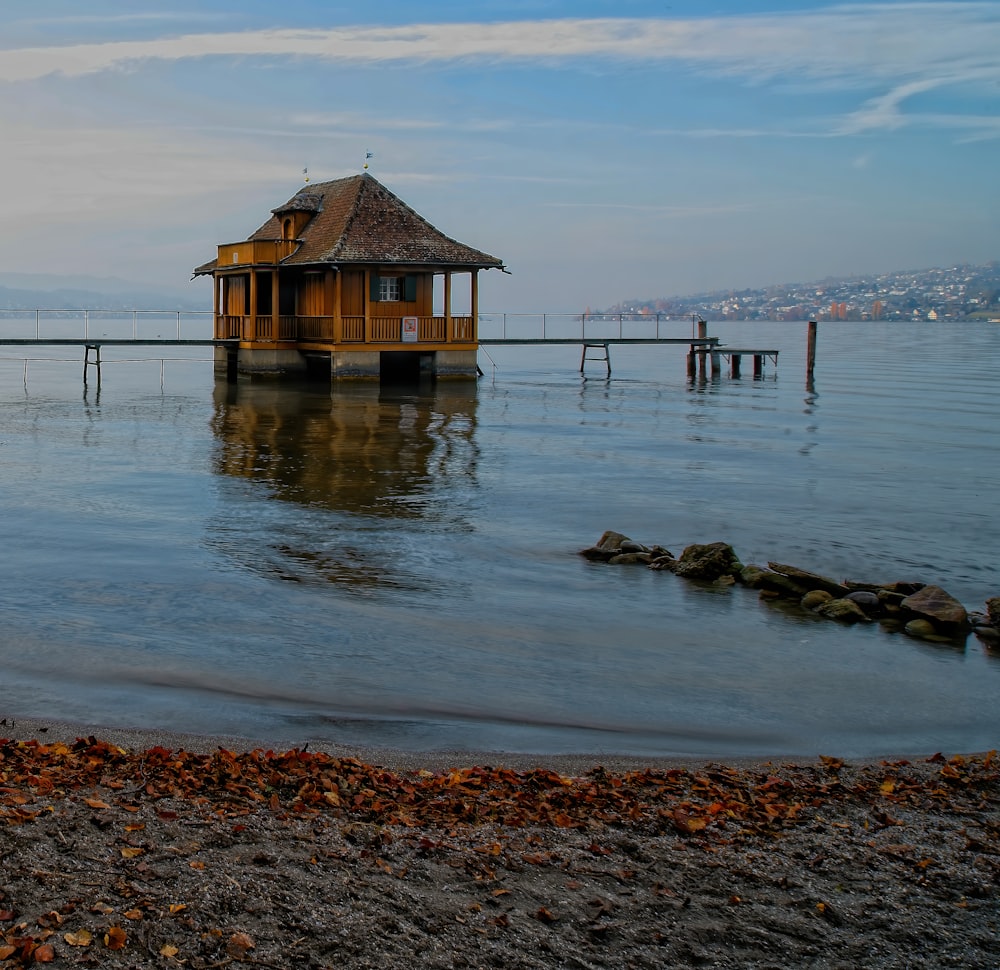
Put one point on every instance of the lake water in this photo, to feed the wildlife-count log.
(399, 567)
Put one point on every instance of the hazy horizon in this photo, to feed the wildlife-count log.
(602, 150)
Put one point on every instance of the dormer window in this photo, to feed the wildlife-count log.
(287, 228)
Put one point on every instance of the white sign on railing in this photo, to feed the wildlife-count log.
(409, 330)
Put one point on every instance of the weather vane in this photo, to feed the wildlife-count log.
(367, 156)
(305, 174)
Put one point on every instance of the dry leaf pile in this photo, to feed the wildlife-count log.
(117, 858)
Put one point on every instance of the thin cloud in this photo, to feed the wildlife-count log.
(846, 44)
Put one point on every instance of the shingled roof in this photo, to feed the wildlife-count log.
(358, 220)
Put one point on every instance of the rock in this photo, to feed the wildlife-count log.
(663, 562)
(923, 629)
(988, 633)
(708, 562)
(810, 580)
(890, 599)
(625, 558)
(868, 601)
(843, 610)
(756, 577)
(815, 598)
(627, 545)
(993, 610)
(904, 589)
(943, 610)
(610, 544)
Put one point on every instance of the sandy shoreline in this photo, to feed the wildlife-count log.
(398, 759)
(115, 854)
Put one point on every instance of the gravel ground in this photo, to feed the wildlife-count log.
(118, 856)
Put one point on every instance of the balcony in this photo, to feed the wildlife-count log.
(255, 252)
(351, 330)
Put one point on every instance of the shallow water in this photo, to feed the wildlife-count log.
(399, 566)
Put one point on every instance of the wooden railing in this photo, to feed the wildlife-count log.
(323, 329)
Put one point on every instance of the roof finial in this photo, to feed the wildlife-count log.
(305, 175)
(367, 156)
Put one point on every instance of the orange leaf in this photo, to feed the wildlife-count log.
(44, 954)
(239, 944)
(168, 950)
(115, 938)
(80, 938)
(6, 950)
(96, 803)
(131, 851)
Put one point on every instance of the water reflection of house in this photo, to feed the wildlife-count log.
(362, 451)
(342, 280)
(338, 475)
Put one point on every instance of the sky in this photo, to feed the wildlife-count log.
(604, 151)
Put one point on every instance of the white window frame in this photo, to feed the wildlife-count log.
(390, 289)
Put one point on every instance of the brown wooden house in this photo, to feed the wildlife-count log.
(341, 281)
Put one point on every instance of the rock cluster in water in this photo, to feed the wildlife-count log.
(921, 610)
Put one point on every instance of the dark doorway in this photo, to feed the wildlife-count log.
(405, 366)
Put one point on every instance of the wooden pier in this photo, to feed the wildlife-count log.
(588, 332)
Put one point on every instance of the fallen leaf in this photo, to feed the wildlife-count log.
(44, 953)
(115, 938)
(239, 944)
(79, 938)
(168, 950)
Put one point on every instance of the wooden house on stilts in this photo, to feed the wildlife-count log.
(342, 281)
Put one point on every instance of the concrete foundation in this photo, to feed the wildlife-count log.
(355, 365)
(349, 365)
(461, 364)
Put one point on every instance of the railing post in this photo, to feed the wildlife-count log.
(178, 324)
(37, 331)
(543, 326)
(86, 324)
(134, 331)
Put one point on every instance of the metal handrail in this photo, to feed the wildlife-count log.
(86, 314)
(580, 326)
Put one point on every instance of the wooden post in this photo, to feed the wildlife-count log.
(217, 328)
(475, 305)
(811, 349)
(734, 365)
(332, 308)
(275, 318)
(449, 333)
(758, 365)
(253, 304)
(702, 334)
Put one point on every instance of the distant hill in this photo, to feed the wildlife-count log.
(949, 293)
(31, 291)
